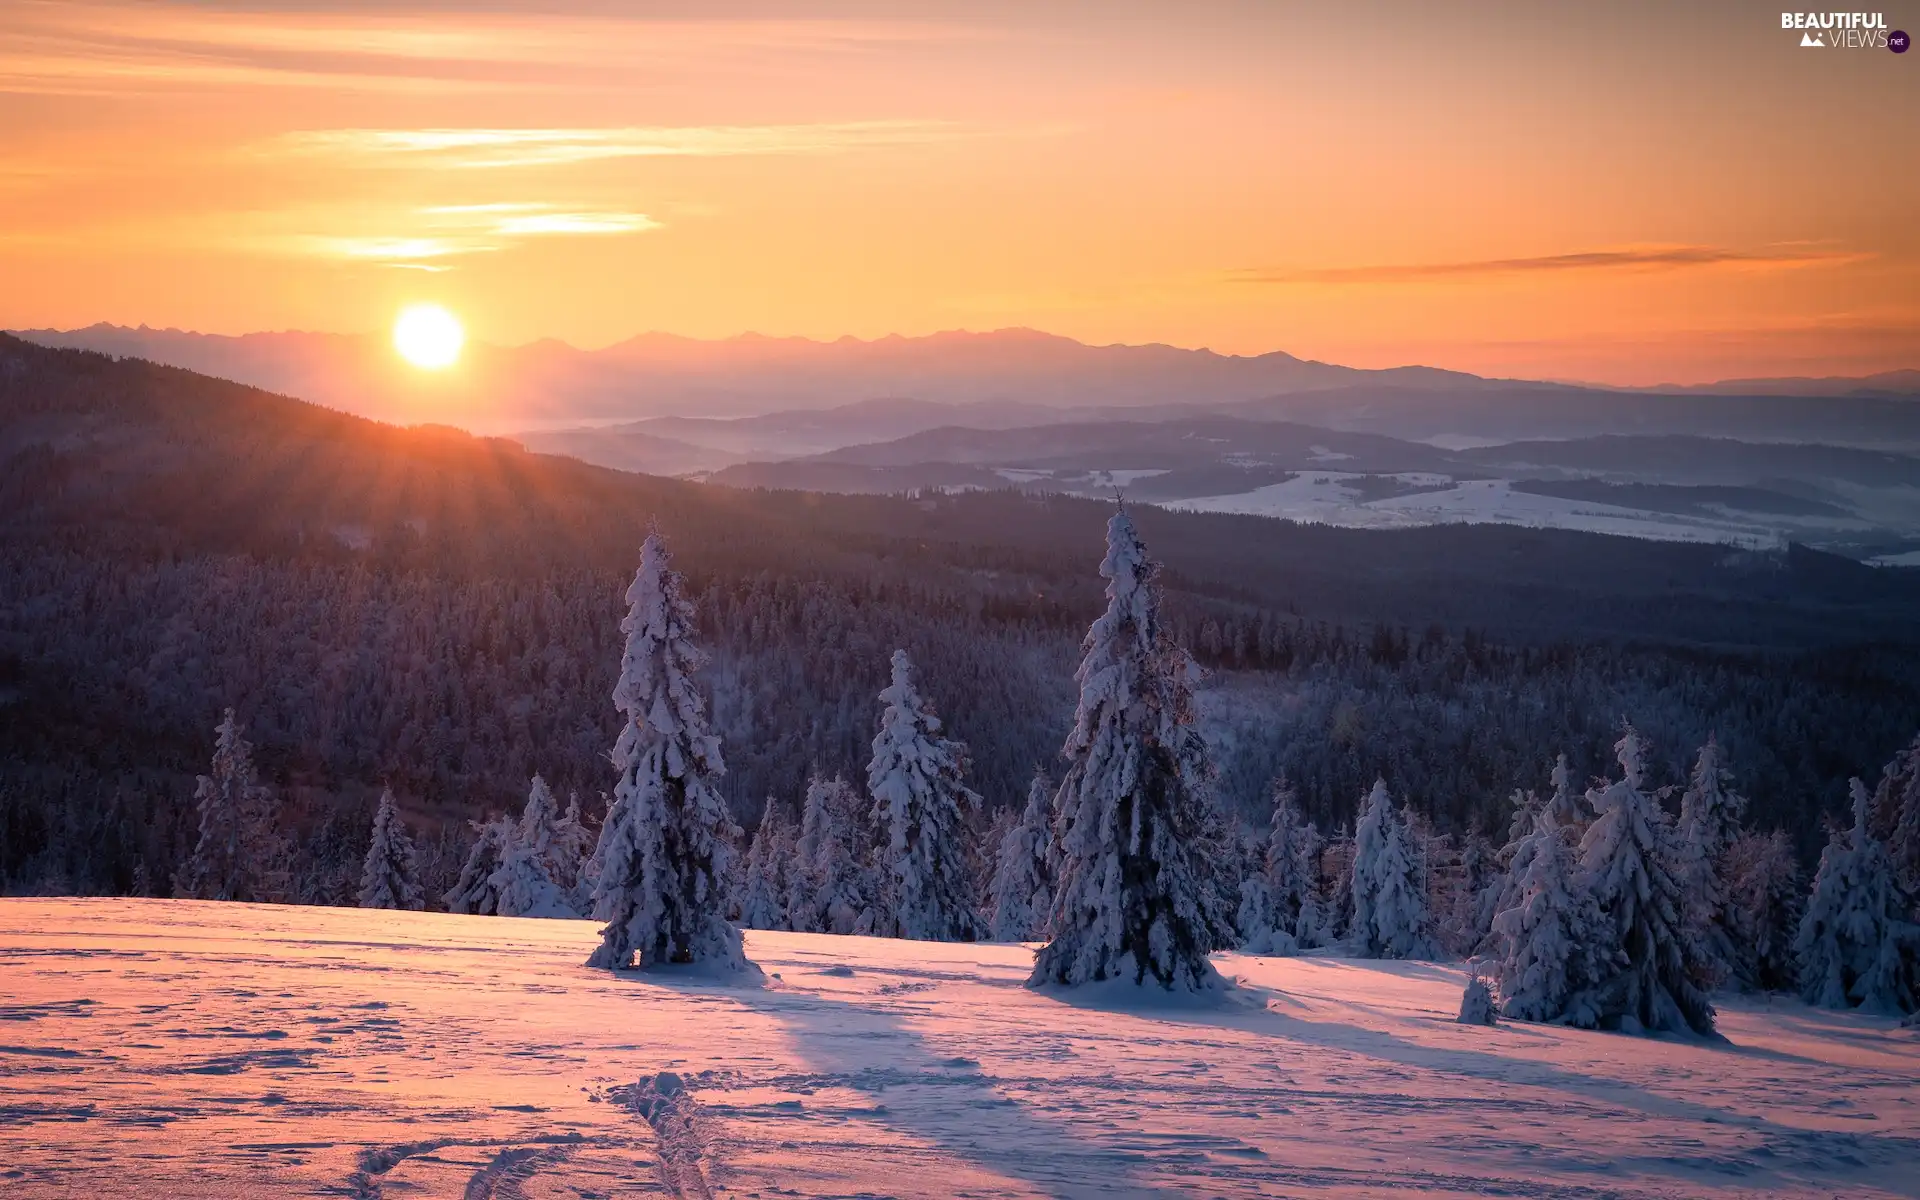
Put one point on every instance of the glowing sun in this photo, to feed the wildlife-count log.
(428, 336)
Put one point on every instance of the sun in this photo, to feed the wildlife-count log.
(428, 336)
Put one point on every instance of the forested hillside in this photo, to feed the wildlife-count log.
(440, 613)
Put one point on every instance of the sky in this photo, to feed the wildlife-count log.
(1628, 194)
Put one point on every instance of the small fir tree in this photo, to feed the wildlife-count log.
(1652, 964)
(1858, 943)
(532, 879)
(921, 803)
(1710, 813)
(763, 895)
(240, 853)
(390, 877)
(1765, 898)
(1549, 934)
(1020, 895)
(475, 892)
(1390, 915)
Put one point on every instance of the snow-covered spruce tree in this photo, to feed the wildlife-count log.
(390, 878)
(920, 802)
(1897, 807)
(1312, 927)
(1651, 963)
(1336, 879)
(1567, 803)
(240, 852)
(1476, 1002)
(1390, 917)
(1549, 934)
(1254, 919)
(1765, 897)
(803, 879)
(1479, 880)
(1131, 903)
(1020, 896)
(475, 892)
(1858, 945)
(1280, 893)
(1569, 813)
(763, 892)
(573, 845)
(531, 880)
(664, 846)
(846, 886)
(1710, 813)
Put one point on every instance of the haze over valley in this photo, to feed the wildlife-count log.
(1829, 462)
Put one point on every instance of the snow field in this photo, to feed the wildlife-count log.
(175, 1048)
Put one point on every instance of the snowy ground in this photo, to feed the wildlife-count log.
(1320, 497)
(158, 1048)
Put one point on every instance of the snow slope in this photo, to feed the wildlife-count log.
(1320, 497)
(164, 1048)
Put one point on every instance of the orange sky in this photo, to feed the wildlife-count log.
(1631, 195)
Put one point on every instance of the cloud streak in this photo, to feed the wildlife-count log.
(74, 47)
(425, 238)
(1656, 258)
(497, 148)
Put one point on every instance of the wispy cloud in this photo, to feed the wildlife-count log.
(492, 148)
(76, 47)
(1655, 258)
(425, 238)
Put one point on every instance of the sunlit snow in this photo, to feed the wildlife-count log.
(165, 1048)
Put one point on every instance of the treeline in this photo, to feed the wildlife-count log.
(440, 613)
(349, 676)
(1602, 908)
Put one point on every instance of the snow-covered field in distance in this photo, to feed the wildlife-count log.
(164, 1048)
(1320, 497)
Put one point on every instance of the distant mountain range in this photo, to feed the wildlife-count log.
(1004, 376)
(661, 375)
(1829, 462)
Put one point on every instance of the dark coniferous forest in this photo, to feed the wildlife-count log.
(439, 614)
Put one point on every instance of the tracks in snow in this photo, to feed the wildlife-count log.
(664, 1103)
(501, 1178)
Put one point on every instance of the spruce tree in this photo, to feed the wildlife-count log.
(532, 879)
(1765, 899)
(763, 899)
(1858, 943)
(1312, 927)
(1020, 896)
(1390, 914)
(1709, 821)
(476, 893)
(1651, 963)
(803, 871)
(573, 845)
(921, 803)
(1549, 934)
(240, 852)
(665, 844)
(390, 878)
(1279, 912)
(1336, 876)
(846, 886)
(1514, 857)
(1131, 903)
(1897, 803)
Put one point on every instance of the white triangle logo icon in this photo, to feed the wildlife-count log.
(1811, 39)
